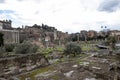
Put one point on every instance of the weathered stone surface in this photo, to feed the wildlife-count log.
(20, 63)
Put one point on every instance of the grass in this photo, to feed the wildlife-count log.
(45, 51)
(80, 61)
(55, 77)
(60, 60)
(35, 72)
(89, 48)
(59, 49)
(49, 50)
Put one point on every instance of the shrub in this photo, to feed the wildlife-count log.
(9, 47)
(72, 48)
(26, 47)
(111, 41)
(46, 51)
(33, 48)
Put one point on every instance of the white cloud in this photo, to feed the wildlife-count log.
(65, 15)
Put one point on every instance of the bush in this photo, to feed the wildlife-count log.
(9, 47)
(46, 51)
(111, 41)
(72, 48)
(26, 47)
(33, 48)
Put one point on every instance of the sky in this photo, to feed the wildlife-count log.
(65, 15)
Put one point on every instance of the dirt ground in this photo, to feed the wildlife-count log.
(85, 67)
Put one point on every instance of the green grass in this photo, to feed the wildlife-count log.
(60, 49)
(47, 51)
(89, 48)
(35, 72)
(80, 61)
(55, 77)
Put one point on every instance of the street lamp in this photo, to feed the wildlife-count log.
(104, 31)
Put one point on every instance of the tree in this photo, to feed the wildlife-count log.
(72, 48)
(1, 40)
(25, 48)
(111, 42)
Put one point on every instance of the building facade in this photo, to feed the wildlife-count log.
(116, 34)
(6, 24)
(10, 35)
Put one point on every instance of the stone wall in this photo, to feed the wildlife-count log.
(42, 34)
(10, 36)
(21, 63)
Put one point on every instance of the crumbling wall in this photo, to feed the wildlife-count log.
(22, 63)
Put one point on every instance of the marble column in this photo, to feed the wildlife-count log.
(18, 37)
(13, 37)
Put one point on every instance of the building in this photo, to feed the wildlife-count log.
(10, 35)
(6, 24)
(92, 34)
(83, 35)
(116, 34)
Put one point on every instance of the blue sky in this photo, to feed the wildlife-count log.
(65, 15)
(6, 11)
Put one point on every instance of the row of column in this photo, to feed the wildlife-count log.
(15, 37)
(10, 36)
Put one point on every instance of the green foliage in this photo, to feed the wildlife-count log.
(89, 48)
(1, 40)
(59, 49)
(111, 42)
(46, 51)
(72, 48)
(26, 47)
(9, 47)
(33, 48)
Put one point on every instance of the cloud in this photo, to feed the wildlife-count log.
(11, 15)
(6, 11)
(20, 0)
(2, 1)
(6, 14)
(37, 12)
(109, 5)
(65, 15)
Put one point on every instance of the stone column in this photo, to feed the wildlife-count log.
(13, 37)
(55, 35)
(18, 37)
